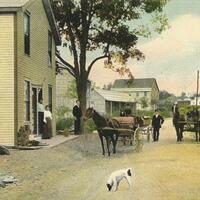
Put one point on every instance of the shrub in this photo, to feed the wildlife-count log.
(62, 111)
(64, 123)
(143, 113)
(64, 132)
(90, 126)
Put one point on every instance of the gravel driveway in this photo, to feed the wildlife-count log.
(76, 170)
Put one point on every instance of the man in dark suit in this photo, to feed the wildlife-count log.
(178, 126)
(157, 121)
(77, 113)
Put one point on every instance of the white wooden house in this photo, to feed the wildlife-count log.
(144, 89)
(110, 102)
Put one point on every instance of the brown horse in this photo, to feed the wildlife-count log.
(102, 122)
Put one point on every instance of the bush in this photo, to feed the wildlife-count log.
(141, 113)
(62, 112)
(64, 123)
(90, 126)
(64, 132)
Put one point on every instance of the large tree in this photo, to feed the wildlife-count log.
(107, 27)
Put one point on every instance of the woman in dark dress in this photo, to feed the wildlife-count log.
(47, 123)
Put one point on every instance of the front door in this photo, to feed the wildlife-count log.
(36, 97)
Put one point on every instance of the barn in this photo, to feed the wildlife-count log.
(108, 102)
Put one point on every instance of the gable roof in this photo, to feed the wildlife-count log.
(116, 96)
(136, 83)
(14, 5)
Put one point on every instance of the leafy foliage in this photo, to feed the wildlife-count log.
(108, 86)
(71, 90)
(88, 25)
(90, 126)
(64, 123)
(166, 102)
(62, 111)
(102, 26)
(164, 95)
(144, 102)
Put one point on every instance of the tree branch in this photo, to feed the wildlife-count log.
(64, 62)
(62, 66)
(93, 62)
(73, 43)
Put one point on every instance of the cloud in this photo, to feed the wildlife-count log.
(172, 58)
(182, 39)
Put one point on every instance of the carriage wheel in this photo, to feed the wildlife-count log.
(138, 138)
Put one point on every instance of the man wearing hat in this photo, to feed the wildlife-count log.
(157, 121)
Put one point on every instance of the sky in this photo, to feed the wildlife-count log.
(172, 57)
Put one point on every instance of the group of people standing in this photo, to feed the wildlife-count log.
(157, 121)
(44, 120)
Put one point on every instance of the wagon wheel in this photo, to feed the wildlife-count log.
(138, 138)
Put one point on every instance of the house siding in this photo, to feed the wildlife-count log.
(63, 82)
(7, 66)
(34, 67)
(152, 95)
(98, 102)
(155, 94)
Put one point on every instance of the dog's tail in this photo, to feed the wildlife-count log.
(129, 172)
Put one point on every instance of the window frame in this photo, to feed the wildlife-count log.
(27, 35)
(50, 46)
(50, 97)
(27, 100)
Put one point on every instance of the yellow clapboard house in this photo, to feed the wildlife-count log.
(28, 40)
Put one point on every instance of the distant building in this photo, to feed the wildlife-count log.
(193, 100)
(63, 81)
(110, 102)
(141, 90)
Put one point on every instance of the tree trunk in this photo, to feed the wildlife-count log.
(82, 92)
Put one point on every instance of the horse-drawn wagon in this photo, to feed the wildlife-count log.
(127, 129)
(189, 119)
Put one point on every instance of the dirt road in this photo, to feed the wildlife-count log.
(164, 170)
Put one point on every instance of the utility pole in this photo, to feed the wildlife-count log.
(197, 89)
(197, 113)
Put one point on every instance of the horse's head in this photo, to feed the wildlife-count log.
(89, 113)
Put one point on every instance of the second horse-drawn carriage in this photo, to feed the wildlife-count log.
(189, 119)
(128, 129)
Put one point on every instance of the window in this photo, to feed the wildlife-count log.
(26, 34)
(145, 94)
(27, 100)
(50, 97)
(49, 49)
(137, 94)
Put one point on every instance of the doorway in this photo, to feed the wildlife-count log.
(36, 97)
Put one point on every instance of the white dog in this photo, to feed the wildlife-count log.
(117, 176)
